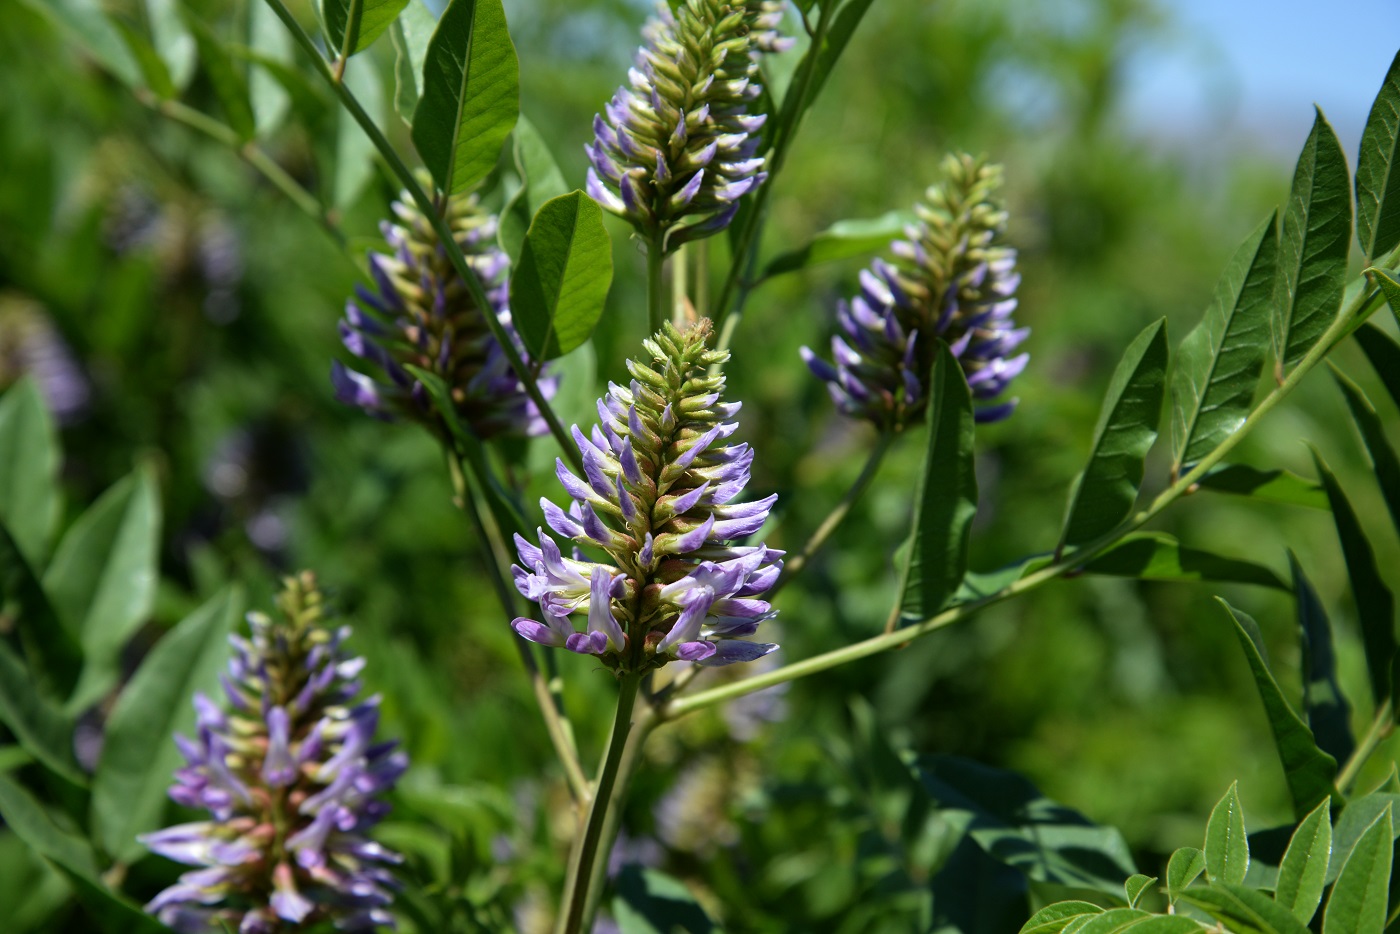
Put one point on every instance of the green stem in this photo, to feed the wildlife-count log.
(576, 891)
(445, 235)
(793, 566)
(1381, 727)
(656, 286)
(1364, 302)
(627, 770)
(702, 277)
(679, 285)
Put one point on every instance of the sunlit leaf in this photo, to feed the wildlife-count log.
(1227, 848)
(1052, 918)
(29, 498)
(354, 153)
(353, 25)
(1378, 171)
(842, 240)
(172, 40)
(1302, 874)
(1183, 868)
(269, 41)
(1135, 886)
(1244, 910)
(1358, 901)
(1272, 486)
(411, 33)
(558, 289)
(88, 23)
(540, 181)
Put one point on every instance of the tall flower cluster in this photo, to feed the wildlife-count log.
(420, 313)
(951, 279)
(678, 147)
(291, 777)
(657, 497)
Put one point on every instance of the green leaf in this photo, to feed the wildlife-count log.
(651, 902)
(977, 585)
(40, 725)
(88, 23)
(1312, 258)
(1328, 712)
(558, 289)
(1384, 354)
(1218, 364)
(470, 95)
(108, 911)
(1308, 770)
(153, 71)
(1302, 874)
(1227, 847)
(1374, 603)
(1358, 901)
(29, 498)
(1388, 287)
(945, 501)
(1103, 495)
(51, 649)
(1382, 456)
(1052, 918)
(353, 25)
(1165, 924)
(103, 577)
(172, 40)
(1137, 884)
(29, 819)
(354, 153)
(227, 80)
(1114, 919)
(268, 39)
(138, 757)
(1182, 869)
(848, 16)
(1272, 486)
(1245, 910)
(411, 33)
(1159, 556)
(540, 181)
(1378, 171)
(1358, 815)
(842, 240)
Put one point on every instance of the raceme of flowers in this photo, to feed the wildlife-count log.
(291, 777)
(421, 313)
(951, 279)
(678, 148)
(657, 497)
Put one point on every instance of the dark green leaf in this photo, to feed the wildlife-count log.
(1312, 256)
(353, 25)
(1328, 712)
(1374, 603)
(108, 911)
(39, 724)
(1052, 918)
(973, 893)
(354, 153)
(1182, 869)
(227, 80)
(138, 757)
(558, 290)
(1303, 873)
(411, 33)
(29, 819)
(1358, 901)
(1245, 910)
(540, 181)
(1135, 886)
(172, 40)
(946, 498)
(1104, 493)
(1384, 353)
(1227, 848)
(651, 902)
(88, 23)
(842, 240)
(1378, 171)
(269, 42)
(1218, 364)
(1273, 486)
(1159, 556)
(977, 585)
(1308, 770)
(1382, 456)
(29, 500)
(1388, 288)
(51, 649)
(470, 94)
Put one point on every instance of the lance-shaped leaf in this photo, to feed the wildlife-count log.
(411, 33)
(842, 240)
(1359, 896)
(353, 25)
(1383, 459)
(139, 756)
(1358, 815)
(1308, 770)
(32, 823)
(1312, 256)
(470, 94)
(1328, 712)
(1378, 171)
(1302, 875)
(172, 40)
(154, 74)
(847, 17)
(103, 577)
(945, 500)
(28, 470)
(1227, 848)
(354, 153)
(1218, 364)
(1374, 603)
(227, 80)
(1159, 556)
(558, 289)
(1390, 289)
(1244, 910)
(1272, 486)
(38, 723)
(1384, 354)
(540, 181)
(1104, 493)
(269, 42)
(51, 648)
(89, 24)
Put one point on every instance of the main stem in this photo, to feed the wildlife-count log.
(631, 760)
(572, 915)
(656, 286)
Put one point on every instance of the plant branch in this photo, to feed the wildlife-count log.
(656, 286)
(1382, 725)
(627, 770)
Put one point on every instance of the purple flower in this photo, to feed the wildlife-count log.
(678, 147)
(420, 313)
(657, 497)
(31, 345)
(291, 777)
(950, 280)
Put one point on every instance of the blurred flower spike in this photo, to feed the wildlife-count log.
(292, 779)
(657, 496)
(953, 280)
(420, 313)
(678, 148)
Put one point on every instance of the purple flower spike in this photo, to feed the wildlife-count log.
(293, 786)
(675, 149)
(659, 501)
(950, 280)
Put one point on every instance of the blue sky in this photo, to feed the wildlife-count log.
(1253, 68)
